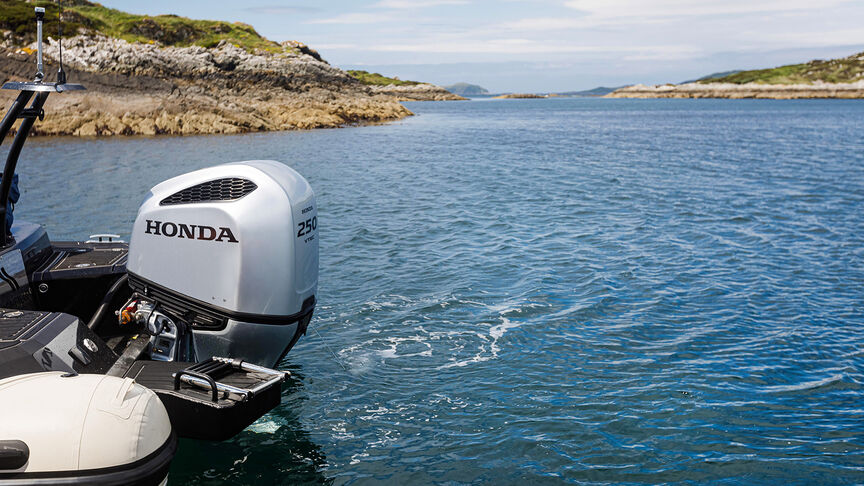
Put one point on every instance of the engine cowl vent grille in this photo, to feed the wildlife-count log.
(228, 189)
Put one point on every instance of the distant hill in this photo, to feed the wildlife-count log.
(401, 89)
(837, 78)
(465, 89)
(598, 91)
(712, 76)
(845, 70)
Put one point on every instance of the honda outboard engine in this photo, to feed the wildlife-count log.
(224, 262)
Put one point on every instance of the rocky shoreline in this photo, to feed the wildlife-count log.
(742, 91)
(416, 92)
(146, 89)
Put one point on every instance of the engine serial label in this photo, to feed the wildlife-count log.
(190, 231)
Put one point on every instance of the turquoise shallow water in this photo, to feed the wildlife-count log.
(546, 291)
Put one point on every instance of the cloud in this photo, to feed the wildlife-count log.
(622, 33)
(547, 24)
(511, 46)
(281, 10)
(354, 18)
(400, 4)
(357, 18)
(840, 37)
(689, 8)
(342, 47)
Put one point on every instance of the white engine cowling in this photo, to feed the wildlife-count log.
(233, 251)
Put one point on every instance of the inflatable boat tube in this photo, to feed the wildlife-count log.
(58, 428)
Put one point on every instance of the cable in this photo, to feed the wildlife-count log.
(331, 351)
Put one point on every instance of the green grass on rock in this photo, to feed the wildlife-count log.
(169, 30)
(846, 70)
(376, 79)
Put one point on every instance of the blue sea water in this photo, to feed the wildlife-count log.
(545, 291)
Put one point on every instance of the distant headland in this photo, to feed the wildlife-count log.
(516, 96)
(403, 90)
(836, 78)
(466, 89)
(148, 75)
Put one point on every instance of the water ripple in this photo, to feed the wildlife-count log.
(595, 291)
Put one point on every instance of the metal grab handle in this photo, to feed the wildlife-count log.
(196, 379)
(277, 376)
(252, 368)
(204, 380)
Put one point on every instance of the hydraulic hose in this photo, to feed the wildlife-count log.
(106, 301)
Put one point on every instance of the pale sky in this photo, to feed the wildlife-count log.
(546, 45)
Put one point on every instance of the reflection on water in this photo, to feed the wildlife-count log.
(539, 291)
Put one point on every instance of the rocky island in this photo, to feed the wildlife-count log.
(403, 90)
(517, 96)
(466, 89)
(836, 78)
(172, 75)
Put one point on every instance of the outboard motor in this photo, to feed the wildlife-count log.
(223, 261)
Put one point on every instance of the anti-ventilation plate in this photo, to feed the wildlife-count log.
(228, 189)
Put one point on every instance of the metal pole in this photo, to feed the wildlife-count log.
(61, 74)
(40, 69)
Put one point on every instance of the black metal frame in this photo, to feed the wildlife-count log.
(29, 115)
(19, 110)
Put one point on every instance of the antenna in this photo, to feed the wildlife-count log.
(40, 68)
(61, 74)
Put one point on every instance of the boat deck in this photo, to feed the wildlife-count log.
(76, 259)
